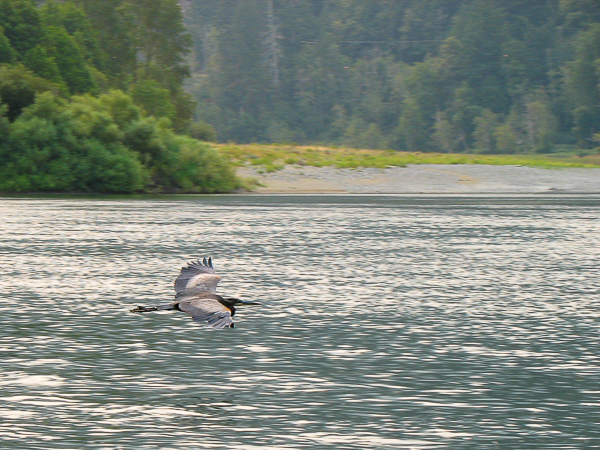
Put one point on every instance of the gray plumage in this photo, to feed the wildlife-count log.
(195, 294)
(197, 274)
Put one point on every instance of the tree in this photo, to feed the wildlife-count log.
(21, 22)
(162, 41)
(485, 132)
(583, 85)
(43, 65)
(540, 123)
(270, 70)
(114, 25)
(580, 12)
(69, 58)
(425, 24)
(240, 78)
(480, 27)
(153, 98)
(18, 88)
(359, 134)
(462, 113)
(320, 83)
(7, 53)
(413, 128)
(4, 126)
(444, 136)
(271, 44)
(509, 135)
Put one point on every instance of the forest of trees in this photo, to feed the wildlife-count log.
(92, 100)
(489, 76)
(110, 96)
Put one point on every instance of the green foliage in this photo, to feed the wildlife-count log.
(540, 124)
(66, 123)
(69, 58)
(4, 125)
(484, 134)
(153, 98)
(362, 135)
(510, 136)
(200, 168)
(239, 73)
(42, 64)
(482, 76)
(76, 23)
(481, 28)
(7, 53)
(18, 88)
(162, 39)
(60, 146)
(21, 22)
(114, 26)
(88, 46)
(202, 131)
(413, 127)
(580, 12)
(445, 136)
(420, 74)
(274, 157)
(104, 144)
(583, 85)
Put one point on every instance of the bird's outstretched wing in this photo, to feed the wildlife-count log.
(198, 274)
(208, 310)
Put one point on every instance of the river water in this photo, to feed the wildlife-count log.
(387, 323)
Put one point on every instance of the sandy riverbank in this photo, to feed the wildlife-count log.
(427, 179)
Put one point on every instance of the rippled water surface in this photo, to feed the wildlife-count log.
(387, 323)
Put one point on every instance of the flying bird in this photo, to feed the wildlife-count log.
(196, 295)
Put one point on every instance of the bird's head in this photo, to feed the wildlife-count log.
(236, 301)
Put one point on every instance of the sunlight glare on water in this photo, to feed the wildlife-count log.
(387, 323)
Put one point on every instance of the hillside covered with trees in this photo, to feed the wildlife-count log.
(487, 76)
(92, 100)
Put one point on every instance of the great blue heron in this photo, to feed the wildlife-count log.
(196, 294)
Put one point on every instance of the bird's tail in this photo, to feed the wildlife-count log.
(141, 309)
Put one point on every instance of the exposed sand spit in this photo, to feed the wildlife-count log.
(427, 179)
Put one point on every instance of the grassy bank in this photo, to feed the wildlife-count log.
(274, 157)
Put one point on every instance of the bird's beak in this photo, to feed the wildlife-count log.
(244, 302)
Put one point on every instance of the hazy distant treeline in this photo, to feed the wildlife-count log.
(92, 100)
(490, 76)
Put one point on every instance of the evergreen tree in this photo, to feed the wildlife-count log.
(162, 41)
(481, 30)
(485, 132)
(510, 76)
(7, 53)
(413, 128)
(70, 59)
(583, 85)
(41, 63)
(114, 25)
(21, 23)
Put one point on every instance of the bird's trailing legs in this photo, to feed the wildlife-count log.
(141, 309)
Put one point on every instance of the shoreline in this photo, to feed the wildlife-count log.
(425, 179)
(417, 179)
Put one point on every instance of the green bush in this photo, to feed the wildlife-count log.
(203, 131)
(103, 144)
(200, 168)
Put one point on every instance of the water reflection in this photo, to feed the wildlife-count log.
(390, 323)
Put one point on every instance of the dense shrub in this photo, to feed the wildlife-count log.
(103, 144)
